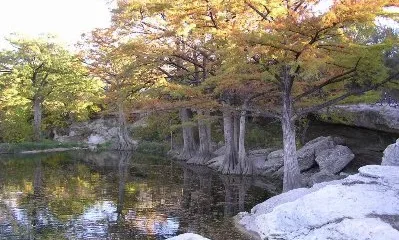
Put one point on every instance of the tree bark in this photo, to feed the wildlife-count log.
(37, 118)
(125, 143)
(189, 147)
(236, 118)
(245, 166)
(292, 175)
(230, 157)
(204, 129)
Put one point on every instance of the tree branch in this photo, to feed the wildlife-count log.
(263, 15)
(344, 96)
(335, 79)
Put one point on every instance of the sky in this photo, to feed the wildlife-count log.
(67, 19)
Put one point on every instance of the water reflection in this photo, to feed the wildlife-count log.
(116, 196)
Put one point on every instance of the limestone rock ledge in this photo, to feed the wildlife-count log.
(371, 116)
(361, 206)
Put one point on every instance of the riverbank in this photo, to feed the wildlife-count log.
(48, 146)
(361, 206)
(38, 147)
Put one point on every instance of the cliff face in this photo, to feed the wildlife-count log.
(382, 118)
(94, 132)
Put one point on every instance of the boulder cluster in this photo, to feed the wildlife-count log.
(319, 160)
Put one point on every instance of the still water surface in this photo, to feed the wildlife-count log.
(115, 195)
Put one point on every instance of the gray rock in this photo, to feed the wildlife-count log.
(220, 151)
(371, 116)
(319, 144)
(91, 132)
(391, 155)
(339, 140)
(323, 176)
(275, 155)
(258, 158)
(335, 159)
(274, 162)
(215, 163)
(279, 173)
(95, 139)
(306, 157)
(261, 151)
(307, 154)
(258, 162)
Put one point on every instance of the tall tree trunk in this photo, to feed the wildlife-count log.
(189, 148)
(230, 157)
(292, 175)
(125, 143)
(245, 166)
(204, 129)
(37, 118)
(236, 118)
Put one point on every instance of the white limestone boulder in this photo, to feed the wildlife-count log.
(391, 155)
(352, 208)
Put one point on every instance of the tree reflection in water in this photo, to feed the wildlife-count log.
(113, 195)
(123, 166)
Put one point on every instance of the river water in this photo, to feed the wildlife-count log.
(119, 195)
(115, 195)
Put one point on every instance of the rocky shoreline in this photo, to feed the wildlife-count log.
(53, 150)
(361, 206)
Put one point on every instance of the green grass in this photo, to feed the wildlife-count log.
(368, 97)
(31, 146)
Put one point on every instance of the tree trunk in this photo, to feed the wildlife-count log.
(189, 147)
(236, 118)
(245, 166)
(292, 175)
(37, 118)
(204, 129)
(230, 157)
(125, 143)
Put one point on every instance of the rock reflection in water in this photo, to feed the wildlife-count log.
(118, 195)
